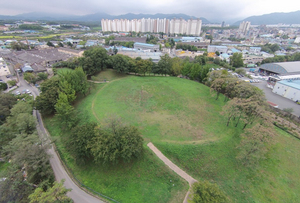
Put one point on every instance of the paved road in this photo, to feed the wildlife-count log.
(77, 194)
(277, 99)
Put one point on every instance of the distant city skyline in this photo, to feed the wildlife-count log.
(215, 11)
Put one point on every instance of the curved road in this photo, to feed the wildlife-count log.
(77, 194)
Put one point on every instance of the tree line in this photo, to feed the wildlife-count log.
(29, 169)
(293, 57)
(86, 141)
(246, 107)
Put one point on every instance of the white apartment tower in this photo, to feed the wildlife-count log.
(174, 26)
(244, 26)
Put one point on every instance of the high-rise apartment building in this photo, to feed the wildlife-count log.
(244, 26)
(174, 26)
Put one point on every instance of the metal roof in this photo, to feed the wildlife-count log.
(144, 44)
(282, 68)
(291, 83)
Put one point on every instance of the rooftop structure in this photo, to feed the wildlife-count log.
(144, 46)
(284, 68)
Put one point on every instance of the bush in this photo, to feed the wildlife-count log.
(12, 82)
(3, 86)
(206, 192)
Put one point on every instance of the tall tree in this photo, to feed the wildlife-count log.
(95, 59)
(236, 60)
(120, 63)
(165, 64)
(47, 99)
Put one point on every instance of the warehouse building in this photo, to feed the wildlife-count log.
(144, 46)
(284, 68)
(289, 89)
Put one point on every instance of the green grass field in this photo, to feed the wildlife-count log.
(183, 120)
(108, 75)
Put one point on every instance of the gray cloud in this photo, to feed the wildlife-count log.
(217, 10)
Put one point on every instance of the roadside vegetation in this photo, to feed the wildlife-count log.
(25, 167)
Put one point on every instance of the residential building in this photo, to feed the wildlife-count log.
(244, 27)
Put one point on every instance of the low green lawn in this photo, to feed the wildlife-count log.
(108, 75)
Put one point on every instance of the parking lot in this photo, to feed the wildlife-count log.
(282, 102)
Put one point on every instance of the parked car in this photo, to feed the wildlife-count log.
(17, 93)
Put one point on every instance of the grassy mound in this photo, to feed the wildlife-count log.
(183, 120)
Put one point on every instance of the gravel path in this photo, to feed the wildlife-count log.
(175, 168)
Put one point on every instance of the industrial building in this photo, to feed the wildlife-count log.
(214, 48)
(144, 46)
(289, 89)
(283, 68)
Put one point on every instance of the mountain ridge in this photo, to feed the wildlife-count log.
(273, 18)
(94, 17)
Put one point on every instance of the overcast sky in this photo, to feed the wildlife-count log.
(213, 10)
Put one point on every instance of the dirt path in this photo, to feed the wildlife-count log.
(175, 168)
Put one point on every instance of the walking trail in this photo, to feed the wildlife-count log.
(175, 168)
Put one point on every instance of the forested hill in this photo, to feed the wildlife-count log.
(274, 18)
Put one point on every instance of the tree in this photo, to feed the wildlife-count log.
(176, 66)
(217, 53)
(77, 142)
(26, 151)
(236, 60)
(30, 77)
(205, 192)
(69, 44)
(60, 44)
(121, 64)
(115, 50)
(165, 64)
(94, 60)
(255, 144)
(7, 101)
(3, 86)
(116, 143)
(50, 44)
(57, 193)
(12, 82)
(14, 188)
(42, 76)
(64, 111)
(18, 46)
(47, 99)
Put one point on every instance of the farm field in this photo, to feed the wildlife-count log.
(184, 121)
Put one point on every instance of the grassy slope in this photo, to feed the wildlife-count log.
(164, 108)
(109, 75)
(178, 116)
(182, 119)
(146, 180)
